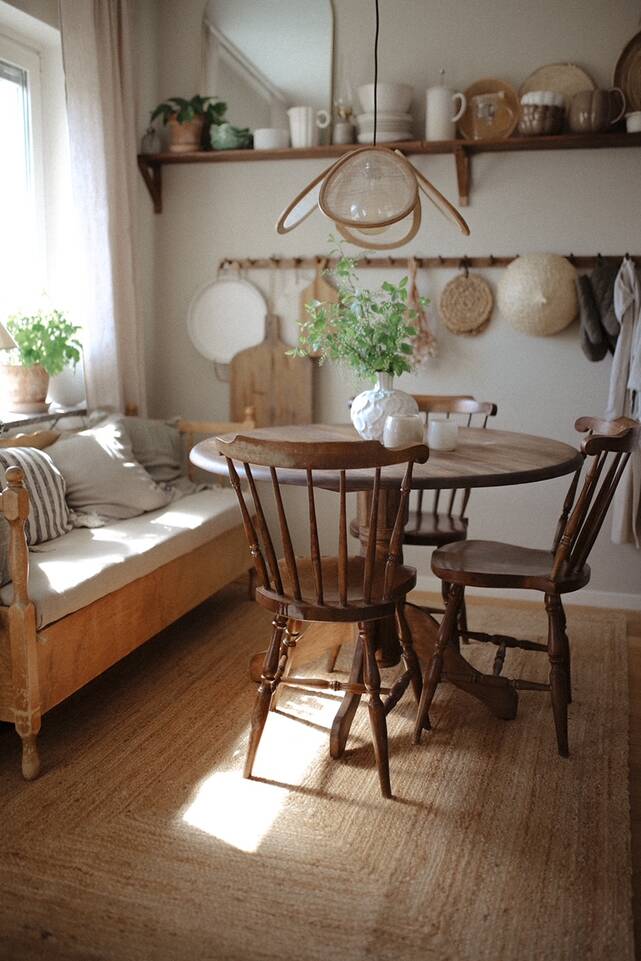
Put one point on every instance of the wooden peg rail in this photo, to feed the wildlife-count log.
(401, 263)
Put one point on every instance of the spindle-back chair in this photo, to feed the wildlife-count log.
(432, 528)
(606, 450)
(357, 589)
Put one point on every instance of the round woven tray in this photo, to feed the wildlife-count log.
(466, 304)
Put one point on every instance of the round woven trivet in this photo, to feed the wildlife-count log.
(466, 304)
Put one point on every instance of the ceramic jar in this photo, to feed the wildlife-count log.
(594, 110)
(371, 407)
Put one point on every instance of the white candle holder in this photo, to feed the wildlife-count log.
(442, 435)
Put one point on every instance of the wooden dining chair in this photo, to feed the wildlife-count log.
(319, 588)
(607, 448)
(430, 525)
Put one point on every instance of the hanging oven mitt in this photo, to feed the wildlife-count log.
(593, 338)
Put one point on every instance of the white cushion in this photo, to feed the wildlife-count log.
(102, 474)
(72, 571)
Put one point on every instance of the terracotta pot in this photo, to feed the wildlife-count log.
(25, 388)
(185, 137)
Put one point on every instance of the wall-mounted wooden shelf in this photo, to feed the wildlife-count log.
(151, 164)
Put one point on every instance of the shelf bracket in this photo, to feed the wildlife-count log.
(463, 175)
(152, 175)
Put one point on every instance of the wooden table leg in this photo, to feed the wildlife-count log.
(345, 715)
(388, 649)
(496, 693)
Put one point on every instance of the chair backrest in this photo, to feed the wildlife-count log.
(468, 412)
(607, 448)
(309, 456)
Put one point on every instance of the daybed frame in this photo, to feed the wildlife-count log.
(40, 668)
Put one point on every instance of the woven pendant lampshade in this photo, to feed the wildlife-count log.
(537, 294)
(368, 191)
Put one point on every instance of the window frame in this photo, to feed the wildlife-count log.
(27, 58)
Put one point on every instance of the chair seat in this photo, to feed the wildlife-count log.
(433, 530)
(493, 564)
(357, 609)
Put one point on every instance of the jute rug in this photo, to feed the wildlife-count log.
(141, 841)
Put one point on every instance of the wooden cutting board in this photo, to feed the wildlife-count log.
(279, 388)
(319, 289)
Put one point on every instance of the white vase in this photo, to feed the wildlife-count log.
(371, 407)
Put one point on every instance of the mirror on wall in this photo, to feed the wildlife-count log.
(262, 58)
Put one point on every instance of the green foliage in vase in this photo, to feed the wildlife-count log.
(370, 331)
(45, 337)
(184, 111)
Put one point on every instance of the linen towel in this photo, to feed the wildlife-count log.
(624, 399)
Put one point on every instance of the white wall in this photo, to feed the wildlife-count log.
(582, 202)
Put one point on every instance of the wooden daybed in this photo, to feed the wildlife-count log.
(41, 666)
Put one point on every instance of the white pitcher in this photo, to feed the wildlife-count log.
(304, 123)
(441, 114)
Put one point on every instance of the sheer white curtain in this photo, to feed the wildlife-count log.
(96, 45)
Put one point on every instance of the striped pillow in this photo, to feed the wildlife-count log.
(48, 511)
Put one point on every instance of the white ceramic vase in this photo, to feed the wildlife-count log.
(371, 407)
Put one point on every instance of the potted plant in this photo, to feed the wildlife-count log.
(186, 120)
(371, 332)
(45, 345)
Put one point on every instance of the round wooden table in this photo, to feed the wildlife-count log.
(483, 458)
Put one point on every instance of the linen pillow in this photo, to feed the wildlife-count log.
(103, 476)
(157, 445)
(48, 511)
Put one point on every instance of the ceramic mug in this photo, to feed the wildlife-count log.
(403, 430)
(592, 110)
(304, 124)
(441, 114)
(633, 121)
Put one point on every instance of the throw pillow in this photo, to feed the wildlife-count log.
(48, 511)
(157, 445)
(102, 474)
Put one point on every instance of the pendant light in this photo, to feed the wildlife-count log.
(369, 191)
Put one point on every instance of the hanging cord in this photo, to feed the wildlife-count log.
(376, 72)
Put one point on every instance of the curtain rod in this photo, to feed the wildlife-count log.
(292, 263)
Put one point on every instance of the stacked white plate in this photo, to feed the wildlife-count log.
(390, 126)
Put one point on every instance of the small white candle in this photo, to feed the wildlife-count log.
(442, 434)
(403, 430)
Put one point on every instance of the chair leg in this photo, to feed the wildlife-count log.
(251, 583)
(287, 645)
(30, 757)
(409, 654)
(264, 695)
(558, 671)
(446, 632)
(567, 653)
(462, 623)
(377, 718)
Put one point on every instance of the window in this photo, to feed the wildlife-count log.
(22, 223)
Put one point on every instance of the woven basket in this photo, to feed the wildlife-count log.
(537, 294)
(466, 304)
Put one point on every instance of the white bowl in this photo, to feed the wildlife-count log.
(385, 136)
(386, 116)
(271, 138)
(390, 96)
(633, 121)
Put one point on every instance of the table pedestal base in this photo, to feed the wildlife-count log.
(497, 693)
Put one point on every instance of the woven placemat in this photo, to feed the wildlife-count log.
(466, 304)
